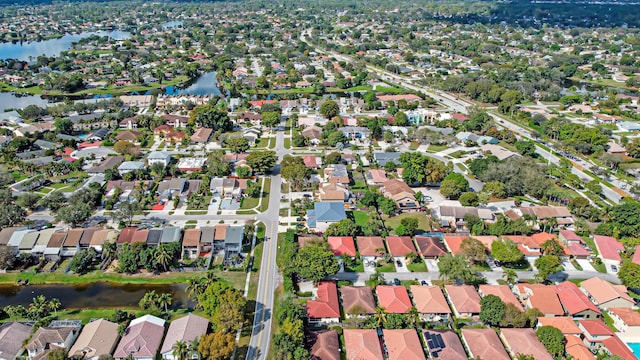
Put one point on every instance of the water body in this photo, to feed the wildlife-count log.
(206, 84)
(13, 101)
(51, 47)
(95, 295)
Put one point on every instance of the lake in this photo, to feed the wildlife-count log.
(12, 101)
(51, 47)
(93, 295)
(206, 84)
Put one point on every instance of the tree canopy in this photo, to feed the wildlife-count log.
(316, 261)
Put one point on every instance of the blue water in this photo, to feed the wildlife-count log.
(207, 84)
(82, 136)
(635, 347)
(11, 101)
(51, 47)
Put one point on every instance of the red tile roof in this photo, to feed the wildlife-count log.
(546, 300)
(464, 298)
(126, 235)
(525, 341)
(362, 344)
(452, 349)
(394, 299)
(565, 324)
(368, 245)
(577, 249)
(400, 245)
(484, 344)
(430, 246)
(577, 349)
(326, 304)
(608, 247)
(342, 245)
(403, 344)
(453, 242)
(574, 300)
(627, 315)
(503, 292)
(571, 236)
(636, 256)
(429, 300)
(595, 327)
(617, 347)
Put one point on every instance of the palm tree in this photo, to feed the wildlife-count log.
(413, 317)
(195, 287)
(38, 305)
(380, 316)
(180, 350)
(510, 275)
(55, 305)
(164, 300)
(193, 348)
(163, 257)
(109, 250)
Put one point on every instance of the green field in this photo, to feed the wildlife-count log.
(393, 222)
(361, 218)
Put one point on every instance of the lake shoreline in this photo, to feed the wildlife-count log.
(93, 277)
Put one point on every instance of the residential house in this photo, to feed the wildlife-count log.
(469, 137)
(233, 240)
(170, 234)
(524, 341)
(52, 251)
(111, 162)
(403, 344)
(85, 239)
(400, 246)
(176, 187)
(444, 344)
(483, 344)
(159, 157)
(162, 130)
(362, 344)
(357, 301)
(431, 247)
(376, 177)
(614, 346)
(41, 244)
(324, 214)
(46, 339)
(609, 249)
(126, 235)
(325, 308)
(576, 303)
(430, 303)
(141, 339)
(28, 242)
(12, 337)
(219, 235)
(562, 215)
(140, 236)
(355, 132)
(185, 329)
(370, 248)
(401, 193)
(129, 123)
(252, 134)
(342, 245)
(575, 348)
(130, 166)
(201, 135)
(594, 332)
(501, 291)
(453, 216)
(565, 324)
(333, 192)
(541, 297)
(337, 173)
(394, 299)
(100, 237)
(128, 135)
(98, 338)
(176, 121)
(382, 157)
(626, 320)
(569, 236)
(324, 345)
(207, 234)
(607, 295)
(7, 233)
(312, 161)
(464, 300)
(313, 133)
(498, 151)
(191, 243)
(191, 164)
(153, 237)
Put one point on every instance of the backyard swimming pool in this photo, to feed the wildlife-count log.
(635, 347)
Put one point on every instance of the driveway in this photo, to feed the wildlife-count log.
(586, 265)
(403, 268)
(432, 265)
(568, 266)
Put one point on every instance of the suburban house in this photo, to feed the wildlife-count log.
(362, 344)
(400, 246)
(430, 303)
(453, 216)
(394, 299)
(185, 329)
(605, 294)
(324, 214)
(626, 320)
(483, 344)
(370, 248)
(355, 132)
(312, 133)
(357, 300)
(52, 251)
(141, 339)
(312, 161)
(12, 337)
(47, 339)
(201, 135)
(191, 243)
(609, 249)
(333, 192)
(501, 291)
(376, 177)
(403, 344)
(324, 344)
(444, 344)
(569, 236)
(498, 151)
(541, 297)
(130, 166)
(524, 341)
(383, 157)
(325, 308)
(431, 247)
(159, 157)
(337, 173)
(565, 324)
(577, 349)
(111, 162)
(342, 245)
(464, 300)
(576, 303)
(401, 193)
(594, 332)
(99, 337)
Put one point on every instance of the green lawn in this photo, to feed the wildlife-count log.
(436, 148)
(386, 267)
(263, 142)
(249, 203)
(355, 266)
(419, 266)
(272, 143)
(287, 143)
(393, 222)
(265, 195)
(601, 267)
(360, 217)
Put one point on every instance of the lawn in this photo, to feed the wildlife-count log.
(600, 267)
(96, 276)
(249, 203)
(265, 195)
(417, 267)
(394, 222)
(287, 143)
(383, 267)
(354, 266)
(272, 143)
(360, 217)
(262, 143)
(436, 148)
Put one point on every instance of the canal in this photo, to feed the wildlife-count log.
(101, 295)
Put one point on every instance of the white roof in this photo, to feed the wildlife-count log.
(147, 318)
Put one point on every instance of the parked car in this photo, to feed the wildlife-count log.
(396, 282)
(614, 268)
(424, 283)
(398, 263)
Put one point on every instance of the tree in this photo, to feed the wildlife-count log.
(57, 354)
(474, 250)
(455, 267)
(271, 119)
(64, 126)
(7, 258)
(380, 316)
(387, 206)
(410, 225)
(344, 227)
(506, 251)
(125, 147)
(495, 189)
(164, 300)
(552, 339)
(552, 247)
(54, 304)
(180, 350)
(74, 214)
(510, 275)
(28, 200)
(526, 148)
(230, 314)
(238, 145)
(164, 255)
(335, 138)
(53, 201)
(333, 158)
(469, 199)
(296, 174)
(125, 211)
(329, 109)
(10, 213)
(629, 274)
(261, 161)
(491, 310)
(316, 261)
(243, 172)
(253, 189)
(211, 117)
(454, 185)
(513, 317)
(217, 346)
(400, 119)
(547, 265)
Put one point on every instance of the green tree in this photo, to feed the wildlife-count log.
(380, 316)
(57, 354)
(629, 274)
(455, 267)
(453, 185)
(10, 213)
(211, 117)
(243, 172)
(491, 310)
(74, 213)
(547, 265)
(552, 247)
(495, 188)
(125, 147)
(180, 350)
(53, 201)
(271, 119)
(217, 346)
(410, 225)
(230, 314)
(316, 261)
(552, 339)
(262, 161)
(506, 251)
(64, 126)
(345, 227)
(125, 211)
(526, 148)
(474, 250)
(238, 145)
(510, 275)
(329, 109)
(28, 200)
(296, 174)
(333, 158)
(469, 199)
(387, 206)
(253, 189)
(7, 258)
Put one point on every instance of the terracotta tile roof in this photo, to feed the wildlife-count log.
(186, 328)
(464, 298)
(378, 176)
(577, 249)
(565, 324)
(220, 231)
(400, 245)
(367, 245)
(452, 349)
(570, 235)
(573, 300)
(525, 341)
(429, 300)
(403, 344)
(326, 304)
(191, 237)
(357, 299)
(126, 235)
(453, 242)
(395, 299)
(362, 344)
(140, 236)
(636, 256)
(503, 292)
(342, 245)
(484, 344)
(576, 348)
(324, 345)
(546, 300)
(595, 327)
(430, 246)
(608, 247)
(628, 316)
(602, 291)
(617, 347)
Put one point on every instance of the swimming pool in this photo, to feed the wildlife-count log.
(635, 347)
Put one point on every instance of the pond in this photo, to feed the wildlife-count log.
(13, 101)
(206, 84)
(29, 51)
(94, 295)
